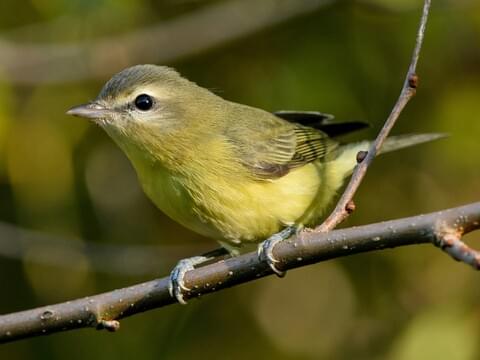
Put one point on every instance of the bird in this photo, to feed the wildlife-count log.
(231, 172)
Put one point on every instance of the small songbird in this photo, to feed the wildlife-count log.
(227, 171)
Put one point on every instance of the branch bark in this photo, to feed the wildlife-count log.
(103, 311)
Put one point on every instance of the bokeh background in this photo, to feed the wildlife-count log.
(74, 222)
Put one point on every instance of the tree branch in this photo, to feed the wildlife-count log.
(103, 311)
(345, 205)
(33, 63)
(123, 259)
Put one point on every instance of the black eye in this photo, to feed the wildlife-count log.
(143, 102)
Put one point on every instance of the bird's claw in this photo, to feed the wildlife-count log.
(265, 253)
(177, 286)
(265, 249)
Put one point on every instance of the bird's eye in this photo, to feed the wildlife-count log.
(143, 102)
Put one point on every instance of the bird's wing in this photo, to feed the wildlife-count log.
(321, 121)
(270, 147)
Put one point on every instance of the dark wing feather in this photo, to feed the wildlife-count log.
(306, 118)
(321, 121)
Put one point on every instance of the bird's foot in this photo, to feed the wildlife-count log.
(177, 287)
(265, 249)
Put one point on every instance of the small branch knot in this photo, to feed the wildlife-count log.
(361, 155)
(350, 207)
(447, 240)
(413, 81)
(47, 315)
(109, 325)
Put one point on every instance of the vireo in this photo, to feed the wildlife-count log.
(228, 171)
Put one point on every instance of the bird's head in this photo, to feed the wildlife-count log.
(147, 95)
(148, 106)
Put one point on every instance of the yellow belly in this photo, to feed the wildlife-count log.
(230, 206)
(235, 211)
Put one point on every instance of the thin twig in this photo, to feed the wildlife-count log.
(451, 242)
(345, 204)
(103, 311)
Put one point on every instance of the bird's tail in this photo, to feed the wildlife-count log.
(402, 141)
(345, 157)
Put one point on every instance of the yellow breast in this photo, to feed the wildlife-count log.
(225, 203)
(234, 209)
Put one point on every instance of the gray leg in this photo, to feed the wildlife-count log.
(265, 249)
(177, 285)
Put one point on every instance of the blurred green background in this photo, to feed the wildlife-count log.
(74, 222)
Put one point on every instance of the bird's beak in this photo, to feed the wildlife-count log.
(90, 111)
